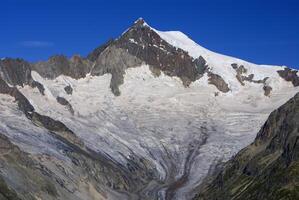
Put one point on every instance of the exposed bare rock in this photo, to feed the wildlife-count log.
(56, 127)
(267, 90)
(218, 81)
(158, 140)
(76, 67)
(97, 52)
(39, 86)
(23, 104)
(289, 75)
(144, 43)
(68, 89)
(17, 169)
(65, 102)
(28, 109)
(140, 45)
(17, 72)
(115, 61)
(241, 77)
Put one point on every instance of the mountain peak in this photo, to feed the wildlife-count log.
(181, 109)
(140, 22)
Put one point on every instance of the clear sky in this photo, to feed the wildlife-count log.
(260, 31)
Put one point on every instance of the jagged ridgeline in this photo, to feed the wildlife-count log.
(145, 116)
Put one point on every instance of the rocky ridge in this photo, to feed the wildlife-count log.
(121, 145)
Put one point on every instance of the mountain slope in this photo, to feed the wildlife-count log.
(269, 167)
(145, 116)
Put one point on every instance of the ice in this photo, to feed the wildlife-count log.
(221, 64)
(157, 118)
(158, 114)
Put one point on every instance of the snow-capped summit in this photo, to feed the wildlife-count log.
(145, 116)
(140, 21)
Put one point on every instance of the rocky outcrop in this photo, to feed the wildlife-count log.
(17, 170)
(17, 72)
(140, 44)
(23, 104)
(115, 61)
(151, 144)
(290, 76)
(241, 77)
(266, 169)
(218, 81)
(68, 89)
(6, 193)
(56, 127)
(144, 43)
(76, 67)
(240, 70)
(65, 103)
(93, 56)
(267, 90)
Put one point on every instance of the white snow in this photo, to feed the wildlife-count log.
(154, 113)
(133, 41)
(157, 117)
(221, 64)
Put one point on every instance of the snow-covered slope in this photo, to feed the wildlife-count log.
(221, 64)
(176, 131)
(182, 131)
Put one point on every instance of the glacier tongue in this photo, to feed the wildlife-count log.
(182, 132)
(145, 116)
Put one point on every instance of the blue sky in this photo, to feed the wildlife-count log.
(260, 31)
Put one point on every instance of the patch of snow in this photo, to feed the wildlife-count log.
(133, 41)
(141, 19)
(220, 64)
(158, 119)
(154, 113)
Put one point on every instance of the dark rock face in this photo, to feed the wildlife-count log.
(289, 75)
(144, 43)
(76, 67)
(64, 102)
(140, 44)
(56, 127)
(97, 52)
(44, 121)
(68, 89)
(23, 103)
(115, 61)
(15, 72)
(6, 193)
(218, 81)
(39, 86)
(267, 90)
(266, 169)
(12, 159)
(241, 70)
